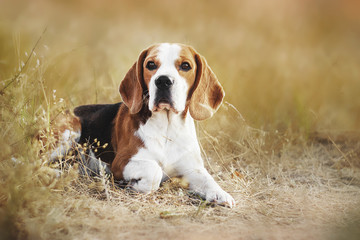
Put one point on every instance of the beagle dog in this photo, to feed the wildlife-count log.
(151, 136)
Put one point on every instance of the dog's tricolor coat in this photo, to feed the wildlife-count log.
(151, 135)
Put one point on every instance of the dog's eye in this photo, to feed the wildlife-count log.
(185, 66)
(151, 65)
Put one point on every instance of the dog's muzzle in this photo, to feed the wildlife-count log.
(163, 99)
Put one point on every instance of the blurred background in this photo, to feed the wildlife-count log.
(289, 68)
(285, 65)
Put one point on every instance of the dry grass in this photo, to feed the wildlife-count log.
(291, 69)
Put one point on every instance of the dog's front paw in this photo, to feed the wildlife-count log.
(220, 197)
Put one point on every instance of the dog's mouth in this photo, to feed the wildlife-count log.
(164, 104)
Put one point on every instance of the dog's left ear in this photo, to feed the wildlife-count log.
(132, 86)
(208, 93)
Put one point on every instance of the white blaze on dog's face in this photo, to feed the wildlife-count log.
(169, 72)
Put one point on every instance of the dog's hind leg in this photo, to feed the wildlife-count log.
(92, 166)
(67, 142)
(68, 130)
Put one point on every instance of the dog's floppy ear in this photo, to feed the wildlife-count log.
(132, 86)
(208, 93)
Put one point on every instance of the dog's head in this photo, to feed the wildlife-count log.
(172, 77)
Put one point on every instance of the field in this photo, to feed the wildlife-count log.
(285, 142)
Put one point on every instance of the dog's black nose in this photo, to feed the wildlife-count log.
(163, 82)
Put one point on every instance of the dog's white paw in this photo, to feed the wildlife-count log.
(220, 197)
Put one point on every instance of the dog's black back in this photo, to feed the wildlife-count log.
(97, 122)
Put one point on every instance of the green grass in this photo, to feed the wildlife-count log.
(284, 143)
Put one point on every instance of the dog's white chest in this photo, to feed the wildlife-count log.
(168, 138)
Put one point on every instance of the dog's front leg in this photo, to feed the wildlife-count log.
(201, 182)
(144, 175)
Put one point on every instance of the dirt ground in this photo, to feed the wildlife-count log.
(304, 191)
